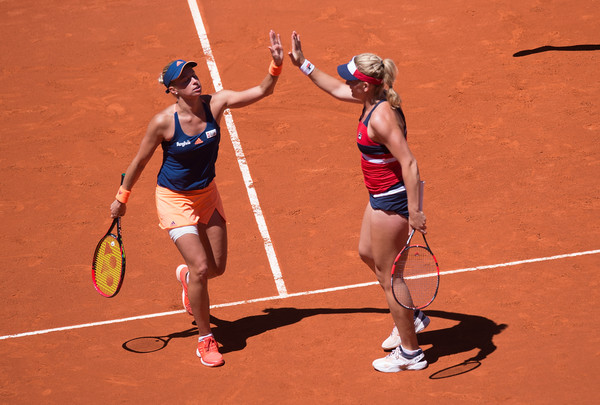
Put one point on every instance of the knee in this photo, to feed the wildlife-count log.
(218, 271)
(365, 255)
(383, 280)
(198, 272)
(365, 258)
(383, 274)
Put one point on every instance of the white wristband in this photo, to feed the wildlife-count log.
(307, 67)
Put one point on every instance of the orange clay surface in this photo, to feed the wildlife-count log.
(508, 146)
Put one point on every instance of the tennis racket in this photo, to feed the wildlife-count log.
(415, 274)
(108, 267)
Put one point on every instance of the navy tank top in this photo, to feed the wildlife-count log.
(189, 160)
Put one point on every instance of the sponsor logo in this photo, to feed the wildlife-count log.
(198, 141)
(183, 144)
(211, 133)
(360, 135)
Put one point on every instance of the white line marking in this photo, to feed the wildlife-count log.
(88, 325)
(541, 259)
(276, 297)
(239, 153)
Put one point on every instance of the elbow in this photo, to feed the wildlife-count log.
(139, 164)
(270, 88)
(413, 164)
(268, 91)
(262, 94)
(410, 166)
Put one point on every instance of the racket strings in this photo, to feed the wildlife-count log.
(108, 263)
(416, 283)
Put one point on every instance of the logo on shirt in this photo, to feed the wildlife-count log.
(198, 141)
(183, 144)
(211, 133)
(360, 135)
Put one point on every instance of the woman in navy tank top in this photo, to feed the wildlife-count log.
(188, 202)
(391, 176)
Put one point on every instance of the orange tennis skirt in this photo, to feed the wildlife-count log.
(182, 208)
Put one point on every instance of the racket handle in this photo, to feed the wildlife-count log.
(410, 236)
(421, 189)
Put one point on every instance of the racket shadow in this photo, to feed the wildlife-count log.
(457, 369)
(150, 344)
(472, 332)
(233, 335)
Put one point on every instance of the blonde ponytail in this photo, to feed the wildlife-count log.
(164, 71)
(389, 77)
(383, 69)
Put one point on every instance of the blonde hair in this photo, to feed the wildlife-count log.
(162, 74)
(382, 69)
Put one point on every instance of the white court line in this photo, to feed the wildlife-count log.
(494, 266)
(239, 153)
(273, 298)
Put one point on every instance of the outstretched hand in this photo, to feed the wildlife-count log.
(296, 55)
(276, 48)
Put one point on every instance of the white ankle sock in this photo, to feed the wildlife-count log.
(204, 337)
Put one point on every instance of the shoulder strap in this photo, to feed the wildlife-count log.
(366, 121)
(207, 111)
(177, 125)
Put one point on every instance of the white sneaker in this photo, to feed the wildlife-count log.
(393, 341)
(397, 360)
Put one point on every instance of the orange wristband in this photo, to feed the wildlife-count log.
(275, 70)
(123, 195)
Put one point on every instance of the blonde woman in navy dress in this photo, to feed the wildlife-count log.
(391, 176)
(187, 200)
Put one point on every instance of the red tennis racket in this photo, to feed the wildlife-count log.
(415, 274)
(108, 266)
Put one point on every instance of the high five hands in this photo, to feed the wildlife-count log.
(276, 48)
(296, 55)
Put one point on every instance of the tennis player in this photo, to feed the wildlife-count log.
(391, 176)
(188, 203)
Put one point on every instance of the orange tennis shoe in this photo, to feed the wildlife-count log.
(181, 273)
(208, 351)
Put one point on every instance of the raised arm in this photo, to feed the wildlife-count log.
(325, 82)
(235, 99)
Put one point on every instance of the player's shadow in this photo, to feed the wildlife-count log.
(525, 52)
(471, 332)
(233, 335)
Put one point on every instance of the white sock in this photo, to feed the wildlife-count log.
(201, 338)
(187, 277)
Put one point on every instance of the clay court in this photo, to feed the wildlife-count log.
(502, 106)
